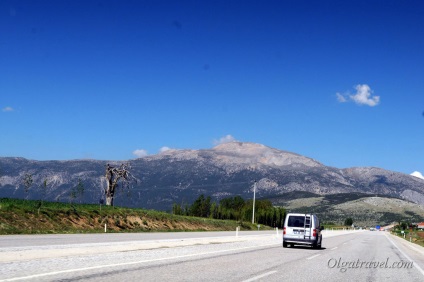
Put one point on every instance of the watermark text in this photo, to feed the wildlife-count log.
(343, 266)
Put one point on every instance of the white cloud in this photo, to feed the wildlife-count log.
(164, 149)
(226, 139)
(363, 96)
(417, 174)
(8, 109)
(139, 153)
(341, 98)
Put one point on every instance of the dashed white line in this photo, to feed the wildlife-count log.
(260, 276)
(314, 256)
(334, 248)
(129, 263)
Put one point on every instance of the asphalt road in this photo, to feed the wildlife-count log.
(73, 239)
(357, 256)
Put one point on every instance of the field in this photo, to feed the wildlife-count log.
(35, 217)
(365, 209)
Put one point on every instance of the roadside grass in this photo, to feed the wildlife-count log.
(419, 238)
(335, 227)
(35, 217)
(414, 236)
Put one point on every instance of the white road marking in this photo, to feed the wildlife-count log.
(344, 243)
(405, 255)
(412, 247)
(314, 256)
(334, 248)
(129, 263)
(260, 276)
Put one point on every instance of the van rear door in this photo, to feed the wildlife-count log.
(295, 226)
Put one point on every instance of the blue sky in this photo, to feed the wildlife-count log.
(338, 81)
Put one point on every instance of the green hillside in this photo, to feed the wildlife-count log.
(35, 217)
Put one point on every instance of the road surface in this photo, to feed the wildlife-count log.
(208, 256)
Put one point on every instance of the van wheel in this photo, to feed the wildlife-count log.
(284, 244)
(319, 244)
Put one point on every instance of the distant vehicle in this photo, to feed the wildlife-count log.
(302, 229)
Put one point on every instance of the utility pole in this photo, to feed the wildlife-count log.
(254, 196)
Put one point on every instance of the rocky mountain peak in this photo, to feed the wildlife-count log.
(241, 147)
(253, 153)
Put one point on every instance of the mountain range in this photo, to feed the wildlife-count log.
(180, 176)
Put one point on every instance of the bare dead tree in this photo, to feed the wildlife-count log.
(113, 176)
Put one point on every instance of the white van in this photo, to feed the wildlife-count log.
(302, 229)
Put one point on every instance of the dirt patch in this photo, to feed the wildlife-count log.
(79, 222)
(420, 234)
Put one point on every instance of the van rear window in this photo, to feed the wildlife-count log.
(296, 221)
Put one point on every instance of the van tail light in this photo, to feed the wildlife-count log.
(314, 233)
(284, 231)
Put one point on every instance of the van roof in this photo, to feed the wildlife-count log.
(300, 214)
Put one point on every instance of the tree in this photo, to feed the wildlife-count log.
(403, 225)
(201, 207)
(238, 205)
(348, 221)
(234, 208)
(177, 210)
(114, 175)
(43, 195)
(213, 213)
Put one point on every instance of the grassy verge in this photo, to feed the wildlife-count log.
(33, 217)
(335, 227)
(414, 236)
